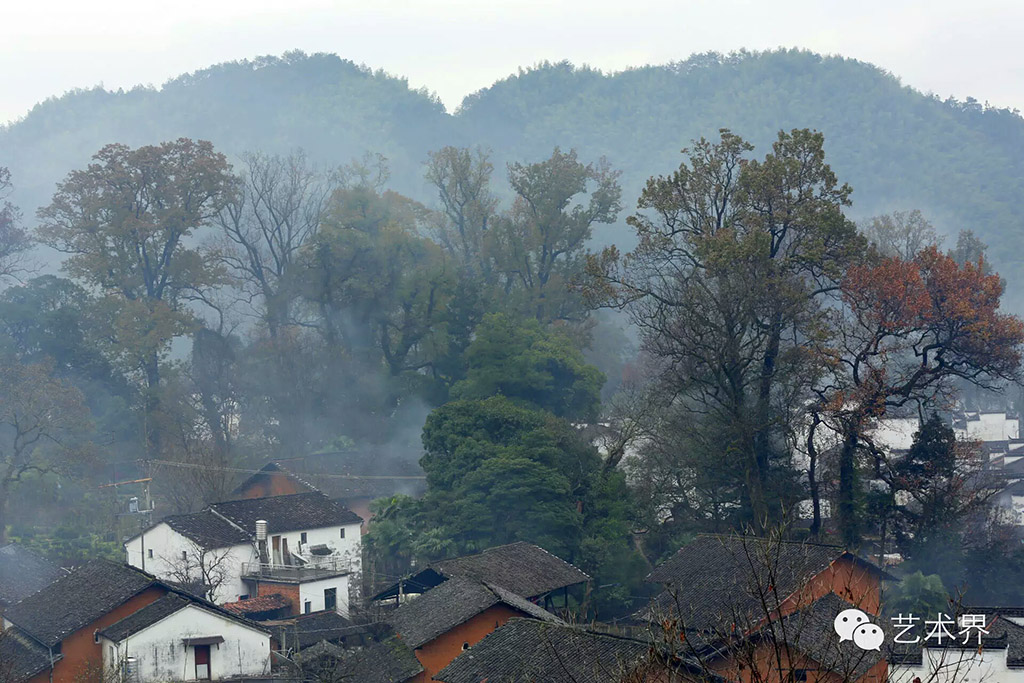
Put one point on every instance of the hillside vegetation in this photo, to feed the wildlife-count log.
(960, 162)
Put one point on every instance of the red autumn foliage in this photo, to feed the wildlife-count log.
(914, 323)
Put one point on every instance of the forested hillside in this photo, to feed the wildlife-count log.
(960, 163)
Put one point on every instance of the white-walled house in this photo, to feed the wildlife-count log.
(177, 639)
(996, 434)
(1000, 659)
(310, 552)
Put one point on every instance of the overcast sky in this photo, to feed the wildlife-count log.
(454, 47)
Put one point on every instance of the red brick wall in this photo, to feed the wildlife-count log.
(288, 590)
(81, 654)
(272, 484)
(766, 668)
(852, 582)
(439, 653)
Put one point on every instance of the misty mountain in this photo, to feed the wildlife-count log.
(962, 163)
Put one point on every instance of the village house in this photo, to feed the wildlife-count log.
(719, 591)
(106, 616)
(530, 651)
(304, 548)
(352, 479)
(719, 579)
(802, 646)
(179, 638)
(388, 661)
(22, 573)
(453, 617)
(993, 435)
(297, 633)
(523, 568)
(999, 657)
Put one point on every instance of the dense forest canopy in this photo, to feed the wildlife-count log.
(598, 312)
(900, 149)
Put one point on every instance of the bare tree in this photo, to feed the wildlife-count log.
(209, 568)
(902, 234)
(278, 210)
(43, 421)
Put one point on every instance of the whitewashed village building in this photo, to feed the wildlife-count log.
(304, 547)
(105, 621)
(999, 659)
(170, 640)
(996, 433)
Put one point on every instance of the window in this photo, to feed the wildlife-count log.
(308, 607)
(343, 532)
(150, 551)
(184, 555)
(243, 597)
(465, 646)
(302, 537)
(331, 599)
(800, 675)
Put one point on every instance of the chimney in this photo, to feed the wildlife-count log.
(261, 540)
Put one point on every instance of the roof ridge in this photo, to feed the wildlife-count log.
(200, 601)
(290, 473)
(506, 545)
(780, 540)
(582, 628)
(316, 492)
(230, 521)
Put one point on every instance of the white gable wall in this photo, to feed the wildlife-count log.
(167, 545)
(960, 666)
(161, 654)
(990, 427)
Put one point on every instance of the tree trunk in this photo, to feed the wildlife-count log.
(755, 487)
(154, 428)
(4, 495)
(763, 414)
(849, 526)
(812, 478)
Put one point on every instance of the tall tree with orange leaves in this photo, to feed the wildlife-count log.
(907, 329)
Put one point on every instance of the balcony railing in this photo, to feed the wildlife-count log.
(307, 572)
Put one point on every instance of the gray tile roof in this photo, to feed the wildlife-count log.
(21, 656)
(452, 603)
(523, 568)
(76, 600)
(311, 510)
(208, 530)
(389, 661)
(811, 631)
(717, 580)
(524, 650)
(145, 617)
(309, 629)
(23, 572)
